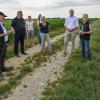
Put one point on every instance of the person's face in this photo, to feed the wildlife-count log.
(2, 18)
(29, 18)
(71, 12)
(85, 18)
(20, 15)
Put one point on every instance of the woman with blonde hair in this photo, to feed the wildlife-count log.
(44, 29)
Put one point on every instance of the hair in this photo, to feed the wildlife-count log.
(85, 15)
(19, 12)
(71, 10)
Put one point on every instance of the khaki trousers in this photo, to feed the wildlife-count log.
(67, 37)
(45, 37)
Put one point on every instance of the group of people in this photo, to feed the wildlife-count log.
(19, 27)
(85, 30)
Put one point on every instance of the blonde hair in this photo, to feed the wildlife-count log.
(43, 19)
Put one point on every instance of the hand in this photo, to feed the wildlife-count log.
(82, 33)
(12, 30)
(70, 30)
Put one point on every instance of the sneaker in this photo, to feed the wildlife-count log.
(24, 53)
(17, 55)
(64, 54)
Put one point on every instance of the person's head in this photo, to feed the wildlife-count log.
(19, 14)
(43, 19)
(71, 12)
(2, 16)
(85, 17)
(29, 18)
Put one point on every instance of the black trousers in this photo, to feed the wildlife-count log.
(2, 57)
(19, 38)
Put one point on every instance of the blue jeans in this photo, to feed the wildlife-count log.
(39, 36)
(85, 49)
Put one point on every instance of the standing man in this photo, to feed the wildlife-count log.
(30, 28)
(85, 34)
(71, 25)
(3, 41)
(18, 27)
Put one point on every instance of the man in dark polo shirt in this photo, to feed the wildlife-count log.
(85, 33)
(18, 28)
(3, 34)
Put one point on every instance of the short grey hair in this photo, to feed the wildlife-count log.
(85, 15)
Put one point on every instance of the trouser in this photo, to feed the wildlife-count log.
(45, 37)
(67, 36)
(18, 38)
(85, 48)
(2, 57)
(30, 34)
(39, 36)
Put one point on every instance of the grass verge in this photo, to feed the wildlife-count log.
(80, 80)
(30, 63)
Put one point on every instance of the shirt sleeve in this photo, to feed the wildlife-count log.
(65, 23)
(77, 23)
(90, 26)
(1, 30)
(13, 23)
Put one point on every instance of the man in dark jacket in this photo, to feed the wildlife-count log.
(3, 39)
(18, 28)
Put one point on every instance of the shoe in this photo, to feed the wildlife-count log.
(24, 53)
(64, 54)
(5, 70)
(17, 55)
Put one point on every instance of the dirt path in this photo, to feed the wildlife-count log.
(34, 84)
(16, 62)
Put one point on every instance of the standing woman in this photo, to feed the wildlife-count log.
(38, 23)
(44, 29)
(3, 42)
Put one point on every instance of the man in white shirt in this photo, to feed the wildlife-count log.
(71, 25)
(29, 28)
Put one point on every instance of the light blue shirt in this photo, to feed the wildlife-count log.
(71, 22)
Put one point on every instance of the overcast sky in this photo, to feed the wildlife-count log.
(50, 8)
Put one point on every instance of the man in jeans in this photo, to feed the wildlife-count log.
(71, 25)
(85, 32)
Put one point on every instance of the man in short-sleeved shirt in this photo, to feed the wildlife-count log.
(18, 27)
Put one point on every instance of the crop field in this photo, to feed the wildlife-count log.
(79, 80)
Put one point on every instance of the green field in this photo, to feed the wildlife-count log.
(80, 80)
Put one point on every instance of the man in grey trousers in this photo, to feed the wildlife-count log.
(71, 25)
